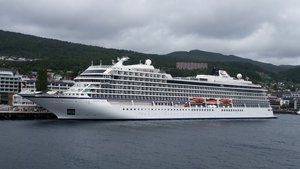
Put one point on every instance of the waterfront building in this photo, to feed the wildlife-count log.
(20, 101)
(275, 102)
(9, 85)
(292, 99)
(9, 82)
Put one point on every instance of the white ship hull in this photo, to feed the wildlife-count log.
(85, 108)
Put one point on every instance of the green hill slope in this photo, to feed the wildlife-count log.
(61, 55)
(291, 74)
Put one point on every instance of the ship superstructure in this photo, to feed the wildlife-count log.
(141, 91)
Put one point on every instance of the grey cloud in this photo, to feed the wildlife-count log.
(265, 30)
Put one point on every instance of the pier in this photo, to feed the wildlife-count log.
(284, 112)
(17, 115)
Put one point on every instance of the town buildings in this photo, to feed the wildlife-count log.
(285, 100)
(12, 83)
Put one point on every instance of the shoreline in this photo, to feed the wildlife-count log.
(17, 115)
(285, 112)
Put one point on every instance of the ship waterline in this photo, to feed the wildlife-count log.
(142, 92)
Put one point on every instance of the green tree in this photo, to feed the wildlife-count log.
(284, 107)
(41, 83)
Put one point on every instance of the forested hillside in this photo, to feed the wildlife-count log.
(62, 56)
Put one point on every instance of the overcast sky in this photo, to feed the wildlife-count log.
(265, 30)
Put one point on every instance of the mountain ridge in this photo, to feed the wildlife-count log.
(57, 54)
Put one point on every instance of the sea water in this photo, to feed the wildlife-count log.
(240, 144)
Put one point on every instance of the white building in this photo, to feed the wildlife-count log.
(9, 85)
(9, 82)
(20, 101)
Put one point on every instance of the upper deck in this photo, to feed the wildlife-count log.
(147, 70)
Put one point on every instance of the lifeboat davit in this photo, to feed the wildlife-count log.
(225, 101)
(197, 100)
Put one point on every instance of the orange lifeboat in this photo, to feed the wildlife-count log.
(197, 100)
(225, 101)
(211, 101)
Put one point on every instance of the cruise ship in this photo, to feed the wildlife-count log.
(141, 91)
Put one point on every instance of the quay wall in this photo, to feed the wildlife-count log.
(8, 115)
